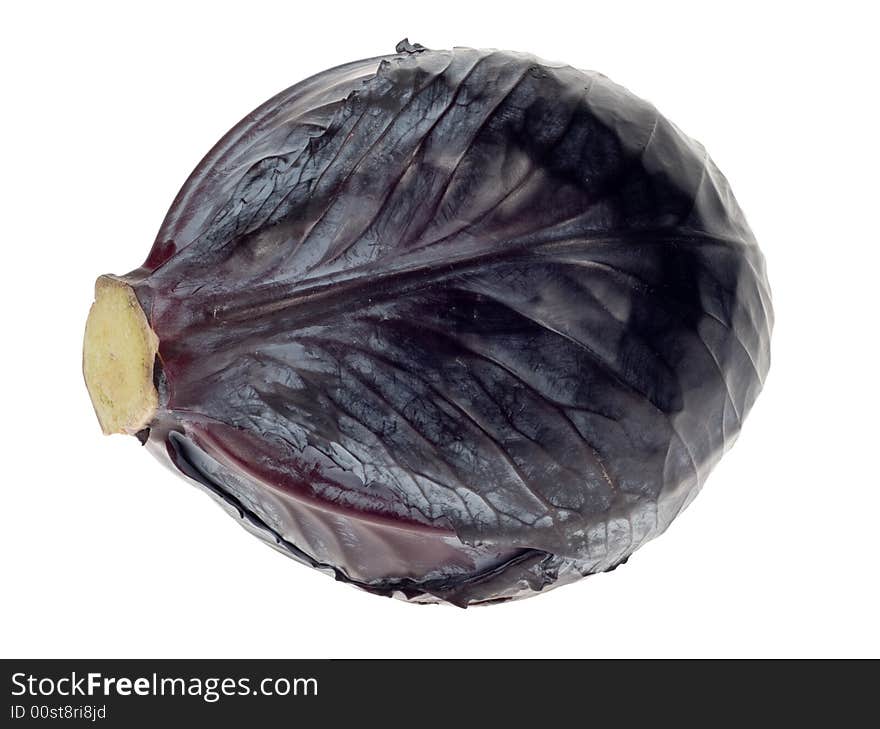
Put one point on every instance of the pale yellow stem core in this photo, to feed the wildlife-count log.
(119, 350)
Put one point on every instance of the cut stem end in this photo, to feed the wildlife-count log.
(119, 350)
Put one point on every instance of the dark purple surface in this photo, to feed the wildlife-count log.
(455, 325)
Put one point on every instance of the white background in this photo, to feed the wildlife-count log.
(106, 554)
